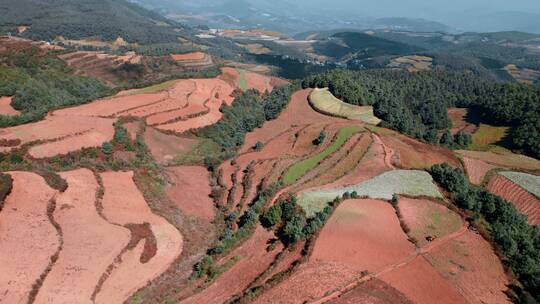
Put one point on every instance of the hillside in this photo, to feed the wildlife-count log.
(77, 19)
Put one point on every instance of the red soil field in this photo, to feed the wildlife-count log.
(190, 191)
(422, 284)
(188, 56)
(90, 243)
(297, 113)
(476, 169)
(469, 263)
(123, 204)
(525, 202)
(459, 122)
(373, 291)
(309, 282)
(164, 147)
(505, 160)
(364, 234)
(426, 218)
(259, 82)
(413, 154)
(112, 106)
(66, 130)
(28, 239)
(6, 108)
(254, 260)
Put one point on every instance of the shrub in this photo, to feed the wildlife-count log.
(107, 148)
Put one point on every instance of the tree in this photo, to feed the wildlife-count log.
(272, 216)
(320, 139)
(447, 139)
(107, 148)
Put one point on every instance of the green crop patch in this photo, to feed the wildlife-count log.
(295, 172)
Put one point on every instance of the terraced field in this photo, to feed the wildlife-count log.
(167, 233)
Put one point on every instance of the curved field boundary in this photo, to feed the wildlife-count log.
(29, 241)
(529, 182)
(123, 204)
(525, 202)
(90, 243)
(409, 182)
(324, 102)
(299, 169)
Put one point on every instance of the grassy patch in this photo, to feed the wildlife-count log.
(155, 88)
(323, 101)
(487, 137)
(298, 170)
(242, 81)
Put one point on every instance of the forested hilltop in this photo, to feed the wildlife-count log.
(77, 19)
(417, 103)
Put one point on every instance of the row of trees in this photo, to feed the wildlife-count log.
(416, 104)
(249, 110)
(6, 183)
(519, 241)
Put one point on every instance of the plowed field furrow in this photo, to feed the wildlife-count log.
(90, 243)
(123, 204)
(331, 161)
(28, 239)
(525, 202)
(346, 165)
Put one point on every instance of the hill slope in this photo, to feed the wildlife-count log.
(76, 19)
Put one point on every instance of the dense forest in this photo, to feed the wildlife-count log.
(519, 241)
(39, 82)
(416, 103)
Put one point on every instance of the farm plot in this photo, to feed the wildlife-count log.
(90, 243)
(476, 169)
(422, 284)
(323, 101)
(487, 137)
(384, 186)
(412, 154)
(190, 191)
(6, 108)
(154, 244)
(363, 234)
(246, 80)
(62, 134)
(504, 160)
(412, 63)
(299, 169)
(373, 291)
(426, 218)
(525, 202)
(470, 265)
(28, 239)
(529, 182)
